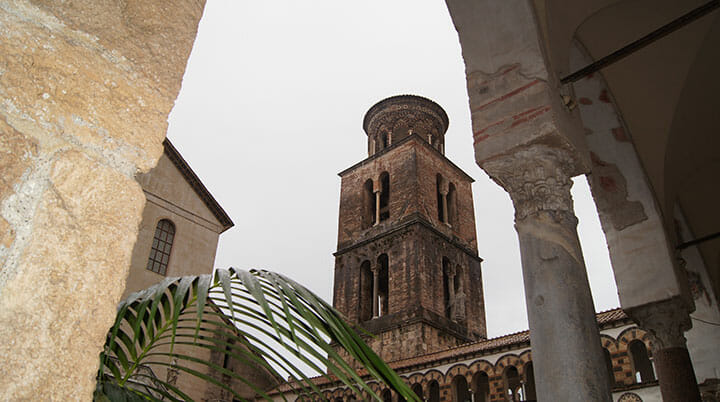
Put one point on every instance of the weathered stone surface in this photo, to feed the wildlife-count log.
(57, 308)
(559, 302)
(85, 90)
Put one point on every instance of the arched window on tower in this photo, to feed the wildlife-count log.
(366, 291)
(161, 247)
(441, 201)
(368, 199)
(384, 196)
(642, 367)
(433, 391)
(481, 387)
(460, 389)
(383, 299)
(452, 205)
(385, 140)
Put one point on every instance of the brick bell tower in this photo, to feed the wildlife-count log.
(407, 267)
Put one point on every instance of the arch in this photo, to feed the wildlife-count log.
(609, 343)
(456, 370)
(369, 205)
(161, 248)
(509, 359)
(366, 292)
(460, 389)
(383, 295)
(433, 391)
(480, 386)
(386, 395)
(512, 383)
(384, 196)
(418, 390)
(384, 140)
(482, 365)
(641, 364)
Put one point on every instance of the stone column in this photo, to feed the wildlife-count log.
(451, 290)
(563, 331)
(85, 92)
(377, 205)
(666, 322)
(376, 290)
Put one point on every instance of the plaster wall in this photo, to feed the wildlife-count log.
(704, 337)
(197, 231)
(628, 213)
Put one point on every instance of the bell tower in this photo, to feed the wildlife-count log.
(406, 266)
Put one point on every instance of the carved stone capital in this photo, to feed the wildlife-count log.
(537, 178)
(666, 322)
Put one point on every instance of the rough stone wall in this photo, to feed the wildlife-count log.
(85, 91)
(430, 163)
(400, 163)
(415, 293)
(433, 248)
(416, 242)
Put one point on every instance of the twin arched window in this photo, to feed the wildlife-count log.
(446, 201)
(161, 246)
(376, 200)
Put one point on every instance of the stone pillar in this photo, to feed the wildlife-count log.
(563, 331)
(376, 290)
(451, 290)
(85, 92)
(377, 206)
(666, 322)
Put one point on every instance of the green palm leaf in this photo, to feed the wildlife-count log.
(258, 319)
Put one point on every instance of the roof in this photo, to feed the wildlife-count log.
(606, 319)
(197, 185)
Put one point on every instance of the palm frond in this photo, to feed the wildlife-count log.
(262, 320)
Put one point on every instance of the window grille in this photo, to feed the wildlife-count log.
(161, 246)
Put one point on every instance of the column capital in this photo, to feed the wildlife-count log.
(537, 178)
(665, 321)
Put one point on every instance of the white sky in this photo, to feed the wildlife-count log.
(271, 110)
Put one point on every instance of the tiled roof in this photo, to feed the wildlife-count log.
(519, 339)
(605, 319)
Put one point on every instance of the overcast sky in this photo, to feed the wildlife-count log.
(271, 110)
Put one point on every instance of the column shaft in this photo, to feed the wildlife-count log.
(445, 208)
(676, 375)
(567, 355)
(377, 207)
(666, 321)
